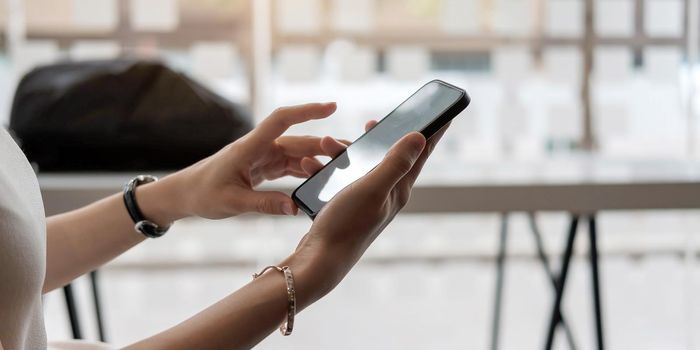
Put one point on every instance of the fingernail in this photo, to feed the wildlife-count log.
(287, 209)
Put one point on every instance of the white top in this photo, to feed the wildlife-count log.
(22, 254)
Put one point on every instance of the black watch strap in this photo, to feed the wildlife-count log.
(141, 224)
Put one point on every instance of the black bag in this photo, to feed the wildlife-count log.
(120, 115)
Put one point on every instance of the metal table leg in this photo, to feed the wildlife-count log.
(500, 266)
(592, 234)
(550, 274)
(561, 282)
(98, 306)
(72, 312)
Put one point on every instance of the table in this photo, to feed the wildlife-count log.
(582, 186)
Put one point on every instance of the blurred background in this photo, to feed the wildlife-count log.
(551, 81)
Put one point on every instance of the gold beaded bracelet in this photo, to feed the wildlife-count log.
(286, 328)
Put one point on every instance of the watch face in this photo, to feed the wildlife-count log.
(150, 229)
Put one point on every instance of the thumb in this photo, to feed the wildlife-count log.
(268, 202)
(397, 162)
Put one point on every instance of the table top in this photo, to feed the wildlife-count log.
(575, 184)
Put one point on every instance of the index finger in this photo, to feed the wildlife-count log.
(284, 117)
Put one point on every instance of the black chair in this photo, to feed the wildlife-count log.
(73, 309)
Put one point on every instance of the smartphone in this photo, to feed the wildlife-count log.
(426, 111)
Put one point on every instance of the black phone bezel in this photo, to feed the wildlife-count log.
(436, 124)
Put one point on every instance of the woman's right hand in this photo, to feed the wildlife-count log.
(353, 219)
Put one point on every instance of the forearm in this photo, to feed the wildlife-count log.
(246, 317)
(81, 240)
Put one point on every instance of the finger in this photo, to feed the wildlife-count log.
(282, 118)
(268, 202)
(309, 146)
(332, 147)
(300, 146)
(397, 163)
(288, 166)
(410, 179)
(310, 165)
(370, 124)
(293, 165)
(295, 171)
(298, 174)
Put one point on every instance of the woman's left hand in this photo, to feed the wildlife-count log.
(223, 184)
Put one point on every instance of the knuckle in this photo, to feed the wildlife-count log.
(278, 112)
(402, 164)
(264, 206)
(404, 197)
(280, 121)
(431, 147)
(278, 116)
(229, 148)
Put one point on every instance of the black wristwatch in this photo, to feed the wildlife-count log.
(147, 228)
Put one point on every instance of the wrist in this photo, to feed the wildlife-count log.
(162, 202)
(314, 277)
